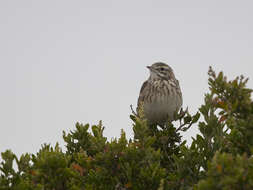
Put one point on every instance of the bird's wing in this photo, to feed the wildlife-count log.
(142, 92)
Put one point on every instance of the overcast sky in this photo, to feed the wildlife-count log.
(68, 61)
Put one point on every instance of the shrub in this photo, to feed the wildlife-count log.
(219, 157)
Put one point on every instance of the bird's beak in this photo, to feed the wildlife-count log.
(149, 67)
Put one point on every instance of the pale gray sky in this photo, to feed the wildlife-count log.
(68, 61)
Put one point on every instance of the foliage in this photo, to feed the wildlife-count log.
(219, 157)
(226, 171)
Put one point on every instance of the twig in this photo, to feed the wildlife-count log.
(133, 112)
(183, 129)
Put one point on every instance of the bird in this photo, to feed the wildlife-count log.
(160, 95)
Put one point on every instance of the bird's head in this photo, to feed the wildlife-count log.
(161, 70)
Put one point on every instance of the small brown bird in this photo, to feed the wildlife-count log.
(160, 96)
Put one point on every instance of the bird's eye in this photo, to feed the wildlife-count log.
(162, 69)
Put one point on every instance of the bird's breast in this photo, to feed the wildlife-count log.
(163, 100)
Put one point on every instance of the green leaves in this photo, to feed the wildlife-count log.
(11, 178)
(50, 168)
(219, 157)
(7, 164)
(226, 171)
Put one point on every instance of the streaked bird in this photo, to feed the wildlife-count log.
(160, 96)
